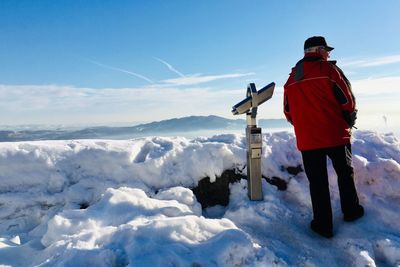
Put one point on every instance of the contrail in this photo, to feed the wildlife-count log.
(122, 70)
(170, 67)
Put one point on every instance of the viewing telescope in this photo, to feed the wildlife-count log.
(249, 106)
(253, 98)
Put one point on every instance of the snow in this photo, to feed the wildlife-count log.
(128, 203)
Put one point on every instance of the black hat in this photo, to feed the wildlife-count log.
(316, 41)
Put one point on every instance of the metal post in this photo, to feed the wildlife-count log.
(254, 152)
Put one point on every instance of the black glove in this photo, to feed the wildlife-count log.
(350, 118)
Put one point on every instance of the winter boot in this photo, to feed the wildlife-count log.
(323, 231)
(354, 215)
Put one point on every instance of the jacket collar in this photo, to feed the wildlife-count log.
(313, 55)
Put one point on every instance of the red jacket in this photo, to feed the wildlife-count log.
(317, 100)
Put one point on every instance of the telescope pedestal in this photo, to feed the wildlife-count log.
(254, 152)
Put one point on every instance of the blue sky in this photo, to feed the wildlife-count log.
(103, 62)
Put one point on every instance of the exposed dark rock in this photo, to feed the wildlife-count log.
(278, 182)
(217, 193)
(83, 205)
(294, 170)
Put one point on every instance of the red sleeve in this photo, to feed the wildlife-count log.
(342, 90)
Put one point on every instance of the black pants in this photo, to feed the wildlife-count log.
(316, 170)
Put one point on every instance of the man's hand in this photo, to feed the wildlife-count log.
(350, 118)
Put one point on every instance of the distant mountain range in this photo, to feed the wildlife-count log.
(176, 126)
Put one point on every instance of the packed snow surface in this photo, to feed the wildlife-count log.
(129, 203)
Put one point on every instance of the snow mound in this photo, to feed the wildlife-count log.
(126, 226)
(127, 203)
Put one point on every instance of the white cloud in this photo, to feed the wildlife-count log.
(140, 76)
(198, 79)
(377, 98)
(170, 67)
(377, 86)
(372, 62)
(54, 104)
(183, 80)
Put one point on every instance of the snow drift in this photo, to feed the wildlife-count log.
(127, 203)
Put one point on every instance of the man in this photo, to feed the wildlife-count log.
(318, 101)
